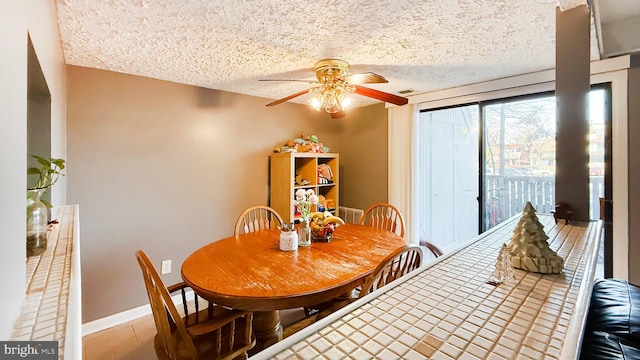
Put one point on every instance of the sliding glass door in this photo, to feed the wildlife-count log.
(468, 183)
(599, 118)
(448, 175)
(519, 151)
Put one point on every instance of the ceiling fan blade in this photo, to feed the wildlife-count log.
(380, 95)
(338, 115)
(365, 78)
(280, 101)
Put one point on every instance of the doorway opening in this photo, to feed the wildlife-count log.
(38, 112)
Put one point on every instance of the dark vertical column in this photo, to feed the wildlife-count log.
(572, 90)
(634, 169)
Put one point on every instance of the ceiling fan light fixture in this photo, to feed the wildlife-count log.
(315, 102)
(330, 98)
(345, 101)
(334, 86)
(330, 102)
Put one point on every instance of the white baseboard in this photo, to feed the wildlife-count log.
(126, 316)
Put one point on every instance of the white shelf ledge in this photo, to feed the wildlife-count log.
(52, 307)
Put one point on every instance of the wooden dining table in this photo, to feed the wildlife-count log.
(250, 272)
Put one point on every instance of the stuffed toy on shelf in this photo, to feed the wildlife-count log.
(304, 143)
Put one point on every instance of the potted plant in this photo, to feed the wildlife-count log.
(37, 214)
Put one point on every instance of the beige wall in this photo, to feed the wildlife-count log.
(17, 18)
(165, 168)
(364, 157)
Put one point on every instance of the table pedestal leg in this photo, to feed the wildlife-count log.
(267, 328)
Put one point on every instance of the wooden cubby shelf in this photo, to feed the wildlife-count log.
(285, 167)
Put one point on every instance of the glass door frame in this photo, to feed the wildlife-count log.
(482, 206)
(481, 196)
(607, 212)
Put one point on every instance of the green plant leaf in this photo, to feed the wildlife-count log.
(41, 160)
(48, 172)
(46, 203)
(58, 162)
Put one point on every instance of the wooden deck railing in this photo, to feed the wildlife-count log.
(506, 196)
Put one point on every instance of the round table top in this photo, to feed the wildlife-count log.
(250, 272)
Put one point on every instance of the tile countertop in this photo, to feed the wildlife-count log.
(446, 310)
(51, 310)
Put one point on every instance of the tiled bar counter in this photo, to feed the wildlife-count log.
(52, 307)
(446, 310)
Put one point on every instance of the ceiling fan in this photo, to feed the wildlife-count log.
(334, 85)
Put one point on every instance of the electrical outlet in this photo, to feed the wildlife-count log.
(166, 267)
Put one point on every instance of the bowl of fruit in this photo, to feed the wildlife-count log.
(323, 224)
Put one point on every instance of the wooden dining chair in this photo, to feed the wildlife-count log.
(257, 218)
(384, 216)
(394, 266)
(212, 333)
(379, 215)
(436, 251)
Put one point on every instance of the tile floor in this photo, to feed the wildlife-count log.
(132, 340)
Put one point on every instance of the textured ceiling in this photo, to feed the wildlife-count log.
(230, 44)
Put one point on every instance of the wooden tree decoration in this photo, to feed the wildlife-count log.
(504, 270)
(528, 247)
